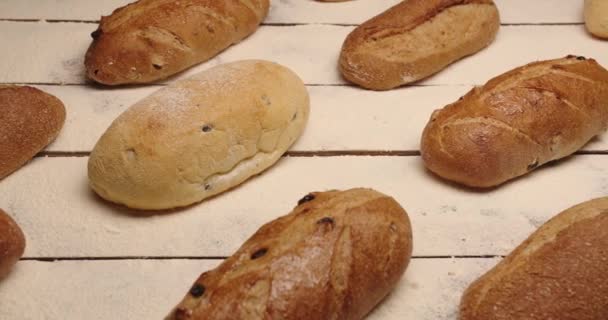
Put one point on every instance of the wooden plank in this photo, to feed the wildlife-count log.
(342, 118)
(62, 217)
(149, 289)
(54, 52)
(298, 11)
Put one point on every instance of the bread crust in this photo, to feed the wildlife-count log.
(12, 243)
(335, 256)
(415, 39)
(31, 119)
(517, 122)
(200, 136)
(596, 17)
(559, 272)
(150, 40)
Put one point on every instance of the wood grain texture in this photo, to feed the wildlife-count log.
(148, 289)
(54, 52)
(446, 220)
(298, 11)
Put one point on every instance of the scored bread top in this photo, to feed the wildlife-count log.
(559, 272)
(150, 40)
(30, 119)
(518, 121)
(335, 256)
(415, 39)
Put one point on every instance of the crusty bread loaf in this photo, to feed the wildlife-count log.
(596, 17)
(415, 39)
(29, 120)
(12, 243)
(559, 272)
(335, 256)
(150, 40)
(517, 122)
(200, 136)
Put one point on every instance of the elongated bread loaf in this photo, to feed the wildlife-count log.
(12, 243)
(30, 119)
(415, 39)
(596, 17)
(335, 256)
(150, 40)
(518, 121)
(559, 272)
(200, 136)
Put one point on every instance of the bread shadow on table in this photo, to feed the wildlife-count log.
(480, 190)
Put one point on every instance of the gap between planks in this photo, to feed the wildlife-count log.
(284, 24)
(161, 258)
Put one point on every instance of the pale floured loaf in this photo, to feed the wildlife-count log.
(518, 121)
(560, 272)
(415, 39)
(149, 40)
(200, 136)
(335, 256)
(596, 17)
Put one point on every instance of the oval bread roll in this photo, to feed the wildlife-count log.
(596, 17)
(559, 272)
(12, 243)
(151, 40)
(200, 136)
(335, 256)
(415, 39)
(517, 122)
(30, 119)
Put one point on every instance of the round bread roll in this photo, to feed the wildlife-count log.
(30, 119)
(596, 17)
(200, 136)
(12, 243)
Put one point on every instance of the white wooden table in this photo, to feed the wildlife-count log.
(87, 259)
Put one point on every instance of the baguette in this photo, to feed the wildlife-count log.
(12, 243)
(517, 122)
(151, 40)
(335, 256)
(29, 120)
(559, 272)
(415, 39)
(596, 17)
(200, 136)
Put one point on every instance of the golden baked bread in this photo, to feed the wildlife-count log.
(30, 119)
(12, 243)
(517, 122)
(335, 256)
(200, 136)
(415, 39)
(151, 40)
(559, 272)
(596, 17)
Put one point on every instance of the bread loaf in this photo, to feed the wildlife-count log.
(559, 272)
(200, 136)
(335, 256)
(596, 17)
(29, 120)
(12, 243)
(415, 39)
(517, 122)
(150, 40)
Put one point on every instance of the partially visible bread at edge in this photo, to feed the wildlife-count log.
(596, 17)
(517, 122)
(559, 272)
(200, 136)
(151, 40)
(30, 119)
(335, 256)
(12, 243)
(415, 39)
